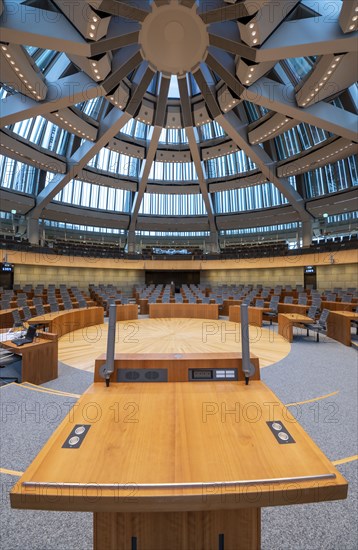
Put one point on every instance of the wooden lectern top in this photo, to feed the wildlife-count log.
(177, 446)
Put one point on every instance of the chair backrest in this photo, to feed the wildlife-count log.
(302, 300)
(331, 297)
(288, 300)
(27, 313)
(5, 304)
(16, 317)
(67, 304)
(260, 303)
(82, 303)
(317, 302)
(37, 301)
(323, 317)
(312, 312)
(40, 309)
(346, 298)
(54, 306)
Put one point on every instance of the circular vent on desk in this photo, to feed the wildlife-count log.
(132, 375)
(151, 375)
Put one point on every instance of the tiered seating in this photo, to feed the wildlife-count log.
(229, 251)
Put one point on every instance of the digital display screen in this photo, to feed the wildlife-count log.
(201, 374)
(310, 269)
(7, 267)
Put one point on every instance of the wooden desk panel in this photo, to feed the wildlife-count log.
(339, 326)
(180, 311)
(255, 315)
(143, 304)
(126, 312)
(338, 306)
(66, 321)
(39, 359)
(292, 308)
(178, 452)
(6, 318)
(286, 322)
(227, 304)
(178, 365)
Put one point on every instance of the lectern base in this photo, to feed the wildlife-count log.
(206, 530)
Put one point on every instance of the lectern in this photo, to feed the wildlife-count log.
(179, 465)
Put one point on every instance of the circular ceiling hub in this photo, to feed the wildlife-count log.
(173, 39)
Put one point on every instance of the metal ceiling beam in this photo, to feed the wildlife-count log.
(219, 11)
(129, 9)
(208, 92)
(195, 154)
(281, 98)
(223, 64)
(226, 36)
(22, 24)
(188, 3)
(124, 61)
(140, 83)
(305, 37)
(151, 152)
(186, 111)
(121, 33)
(109, 127)
(65, 92)
(201, 172)
(237, 131)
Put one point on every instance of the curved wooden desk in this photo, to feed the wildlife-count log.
(255, 314)
(39, 359)
(339, 326)
(286, 322)
(66, 321)
(126, 312)
(179, 466)
(338, 306)
(190, 311)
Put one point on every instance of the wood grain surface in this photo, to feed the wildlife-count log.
(80, 348)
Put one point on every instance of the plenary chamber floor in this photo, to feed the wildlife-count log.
(80, 348)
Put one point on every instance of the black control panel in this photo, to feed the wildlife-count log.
(142, 375)
(196, 375)
(76, 437)
(281, 434)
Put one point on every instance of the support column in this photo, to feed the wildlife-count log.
(307, 233)
(131, 242)
(214, 247)
(33, 230)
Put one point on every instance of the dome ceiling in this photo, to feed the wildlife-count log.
(223, 54)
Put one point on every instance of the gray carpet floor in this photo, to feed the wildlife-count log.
(311, 370)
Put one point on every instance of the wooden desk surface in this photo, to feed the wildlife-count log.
(177, 446)
(297, 317)
(352, 315)
(8, 344)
